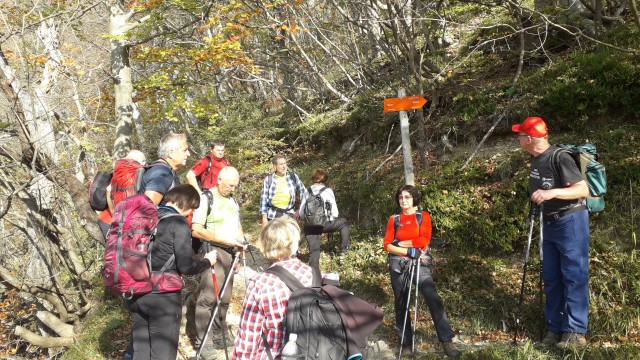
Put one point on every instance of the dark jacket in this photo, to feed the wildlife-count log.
(173, 236)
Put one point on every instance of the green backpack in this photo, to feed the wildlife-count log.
(593, 172)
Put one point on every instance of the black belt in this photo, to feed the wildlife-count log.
(558, 215)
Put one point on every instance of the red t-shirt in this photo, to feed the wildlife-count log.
(211, 179)
(408, 230)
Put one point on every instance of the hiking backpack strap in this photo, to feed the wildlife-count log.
(396, 222)
(171, 259)
(396, 225)
(287, 278)
(119, 260)
(159, 162)
(293, 284)
(209, 196)
(295, 190)
(555, 161)
(208, 170)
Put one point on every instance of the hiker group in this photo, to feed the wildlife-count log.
(158, 230)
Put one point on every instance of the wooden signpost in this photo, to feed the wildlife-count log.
(401, 104)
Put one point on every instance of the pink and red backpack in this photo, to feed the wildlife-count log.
(127, 258)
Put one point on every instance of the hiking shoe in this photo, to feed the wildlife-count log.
(450, 349)
(550, 338)
(572, 341)
(209, 353)
(407, 350)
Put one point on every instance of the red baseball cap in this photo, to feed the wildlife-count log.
(533, 126)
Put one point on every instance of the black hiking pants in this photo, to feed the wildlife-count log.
(155, 325)
(399, 270)
(314, 235)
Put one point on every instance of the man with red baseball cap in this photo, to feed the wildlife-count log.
(559, 191)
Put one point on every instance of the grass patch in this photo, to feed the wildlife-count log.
(105, 334)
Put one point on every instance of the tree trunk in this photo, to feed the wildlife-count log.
(121, 76)
(406, 144)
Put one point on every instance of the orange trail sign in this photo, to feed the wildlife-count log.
(404, 103)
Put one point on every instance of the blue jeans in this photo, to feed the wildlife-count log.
(565, 272)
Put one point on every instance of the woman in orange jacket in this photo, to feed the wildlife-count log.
(406, 239)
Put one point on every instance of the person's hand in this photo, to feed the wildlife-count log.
(540, 195)
(264, 221)
(395, 242)
(414, 253)
(296, 215)
(240, 245)
(212, 256)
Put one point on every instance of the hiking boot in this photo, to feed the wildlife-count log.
(550, 338)
(572, 341)
(407, 350)
(450, 349)
(209, 353)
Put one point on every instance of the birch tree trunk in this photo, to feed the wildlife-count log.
(121, 76)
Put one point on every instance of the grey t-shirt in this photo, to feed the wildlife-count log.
(543, 176)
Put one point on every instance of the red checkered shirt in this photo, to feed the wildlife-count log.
(263, 312)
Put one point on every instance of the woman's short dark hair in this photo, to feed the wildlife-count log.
(184, 196)
(319, 176)
(417, 196)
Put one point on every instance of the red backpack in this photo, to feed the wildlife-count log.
(127, 177)
(127, 258)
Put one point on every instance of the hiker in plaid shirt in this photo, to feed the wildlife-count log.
(265, 301)
(282, 192)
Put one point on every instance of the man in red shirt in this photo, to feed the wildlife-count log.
(204, 174)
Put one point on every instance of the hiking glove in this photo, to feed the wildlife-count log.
(414, 253)
(395, 242)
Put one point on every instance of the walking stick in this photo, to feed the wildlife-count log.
(415, 308)
(407, 302)
(214, 312)
(532, 218)
(541, 220)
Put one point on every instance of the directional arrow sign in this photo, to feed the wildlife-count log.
(404, 103)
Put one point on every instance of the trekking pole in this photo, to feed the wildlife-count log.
(532, 218)
(214, 312)
(415, 307)
(407, 302)
(541, 221)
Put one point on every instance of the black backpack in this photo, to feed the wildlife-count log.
(314, 317)
(98, 190)
(314, 210)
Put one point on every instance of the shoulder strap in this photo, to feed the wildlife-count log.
(286, 277)
(209, 196)
(269, 181)
(208, 170)
(555, 160)
(321, 190)
(396, 222)
(171, 259)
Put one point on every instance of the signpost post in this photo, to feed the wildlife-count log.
(401, 104)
